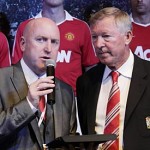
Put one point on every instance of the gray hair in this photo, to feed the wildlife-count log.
(122, 19)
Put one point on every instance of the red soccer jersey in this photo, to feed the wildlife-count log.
(4, 51)
(76, 49)
(140, 44)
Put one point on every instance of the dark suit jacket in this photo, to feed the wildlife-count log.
(18, 124)
(136, 133)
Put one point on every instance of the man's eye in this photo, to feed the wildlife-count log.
(106, 36)
(41, 39)
(94, 37)
(54, 41)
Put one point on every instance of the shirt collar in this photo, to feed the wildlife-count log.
(144, 25)
(125, 70)
(30, 76)
(68, 17)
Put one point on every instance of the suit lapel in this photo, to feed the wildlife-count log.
(36, 131)
(19, 81)
(58, 110)
(54, 127)
(93, 94)
(137, 87)
(21, 87)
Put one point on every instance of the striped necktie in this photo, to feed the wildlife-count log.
(112, 114)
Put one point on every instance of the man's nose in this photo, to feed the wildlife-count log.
(48, 46)
(100, 42)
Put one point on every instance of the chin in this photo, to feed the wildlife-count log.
(105, 61)
(42, 67)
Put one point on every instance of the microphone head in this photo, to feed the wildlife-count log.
(50, 71)
(50, 62)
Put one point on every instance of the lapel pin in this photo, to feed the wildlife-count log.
(45, 147)
(148, 122)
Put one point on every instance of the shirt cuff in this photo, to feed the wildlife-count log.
(32, 107)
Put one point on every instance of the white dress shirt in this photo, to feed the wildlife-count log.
(124, 83)
(31, 77)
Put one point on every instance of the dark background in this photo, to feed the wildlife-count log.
(20, 10)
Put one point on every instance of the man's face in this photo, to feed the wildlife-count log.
(53, 3)
(140, 6)
(40, 44)
(109, 43)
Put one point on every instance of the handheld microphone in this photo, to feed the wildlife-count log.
(50, 71)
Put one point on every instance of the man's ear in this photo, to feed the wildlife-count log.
(128, 38)
(22, 44)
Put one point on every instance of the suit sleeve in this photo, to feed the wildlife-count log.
(14, 119)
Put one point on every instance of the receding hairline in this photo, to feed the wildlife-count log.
(36, 22)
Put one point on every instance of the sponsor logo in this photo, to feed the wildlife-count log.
(144, 54)
(64, 56)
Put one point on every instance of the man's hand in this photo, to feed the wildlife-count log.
(42, 86)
